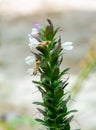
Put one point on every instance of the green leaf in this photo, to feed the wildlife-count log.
(55, 74)
(64, 72)
(67, 127)
(70, 118)
(41, 90)
(41, 111)
(41, 49)
(42, 34)
(46, 85)
(65, 101)
(36, 82)
(46, 67)
(58, 93)
(47, 99)
(71, 111)
(50, 106)
(39, 103)
(39, 120)
(60, 61)
(58, 47)
(62, 115)
(56, 31)
(50, 23)
(49, 31)
(63, 86)
(56, 83)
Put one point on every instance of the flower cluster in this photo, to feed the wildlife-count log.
(35, 42)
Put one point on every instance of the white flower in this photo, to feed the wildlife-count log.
(30, 71)
(30, 60)
(67, 46)
(34, 31)
(33, 42)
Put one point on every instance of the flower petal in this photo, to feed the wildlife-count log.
(33, 43)
(30, 60)
(34, 31)
(36, 25)
(67, 43)
(30, 71)
(67, 46)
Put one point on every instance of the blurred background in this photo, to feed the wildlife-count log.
(77, 19)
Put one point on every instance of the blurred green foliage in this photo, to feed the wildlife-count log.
(88, 66)
(25, 121)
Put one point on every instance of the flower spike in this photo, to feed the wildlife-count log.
(48, 58)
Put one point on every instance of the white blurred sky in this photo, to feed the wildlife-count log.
(27, 6)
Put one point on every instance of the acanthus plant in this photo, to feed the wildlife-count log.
(47, 56)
